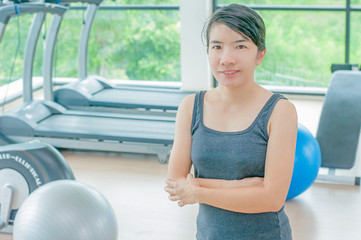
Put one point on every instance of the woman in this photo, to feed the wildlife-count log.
(239, 137)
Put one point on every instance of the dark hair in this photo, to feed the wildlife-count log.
(241, 19)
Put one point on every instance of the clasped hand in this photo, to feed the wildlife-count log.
(182, 190)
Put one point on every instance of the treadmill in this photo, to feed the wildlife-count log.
(52, 123)
(97, 93)
(6, 12)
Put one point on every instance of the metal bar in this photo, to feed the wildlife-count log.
(84, 39)
(48, 57)
(214, 5)
(214, 81)
(29, 54)
(297, 8)
(345, 180)
(348, 29)
(97, 2)
(2, 29)
(131, 7)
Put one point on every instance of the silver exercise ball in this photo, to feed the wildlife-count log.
(65, 209)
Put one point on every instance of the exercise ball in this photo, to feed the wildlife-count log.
(307, 162)
(65, 209)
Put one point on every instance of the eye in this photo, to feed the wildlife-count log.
(216, 47)
(241, 46)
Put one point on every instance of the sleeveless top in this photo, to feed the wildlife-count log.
(230, 156)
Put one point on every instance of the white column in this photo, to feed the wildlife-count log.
(195, 72)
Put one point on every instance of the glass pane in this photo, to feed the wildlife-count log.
(12, 48)
(288, 2)
(66, 48)
(355, 3)
(128, 44)
(355, 48)
(301, 46)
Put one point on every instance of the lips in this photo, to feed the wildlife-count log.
(229, 72)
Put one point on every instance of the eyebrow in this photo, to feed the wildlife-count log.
(237, 41)
(242, 40)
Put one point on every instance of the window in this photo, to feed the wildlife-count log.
(304, 38)
(140, 40)
(128, 42)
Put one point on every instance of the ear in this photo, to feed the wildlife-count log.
(260, 57)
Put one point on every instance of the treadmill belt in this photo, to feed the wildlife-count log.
(102, 128)
(137, 99)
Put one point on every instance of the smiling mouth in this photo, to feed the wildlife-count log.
(229, 72)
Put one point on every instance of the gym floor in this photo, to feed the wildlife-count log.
(134, 186)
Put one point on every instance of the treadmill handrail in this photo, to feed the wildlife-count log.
(8, 11)
(96, 2)
(31, 44)
(84, 40)
(84, 36)
(48, 56)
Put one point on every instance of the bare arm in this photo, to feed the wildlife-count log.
(180, 158)
(269, 196)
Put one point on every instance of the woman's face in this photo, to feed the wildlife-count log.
(232, 57)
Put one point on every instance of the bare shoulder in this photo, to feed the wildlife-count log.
(185, 111)
(186, 106)
(284, 115)
(285, 108)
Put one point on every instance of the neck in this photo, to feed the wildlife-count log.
(232, 95)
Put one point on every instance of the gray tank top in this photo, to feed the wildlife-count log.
(234, 155)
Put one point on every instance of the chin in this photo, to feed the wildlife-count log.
(230, 84)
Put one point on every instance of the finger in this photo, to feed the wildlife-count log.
(191, 179)
(174, 198)
(189, 176)
(169, 190)
(171, 183)
(180, 203)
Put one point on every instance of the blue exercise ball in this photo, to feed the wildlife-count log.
(307, 162)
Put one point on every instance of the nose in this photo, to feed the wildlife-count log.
(227, 57)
